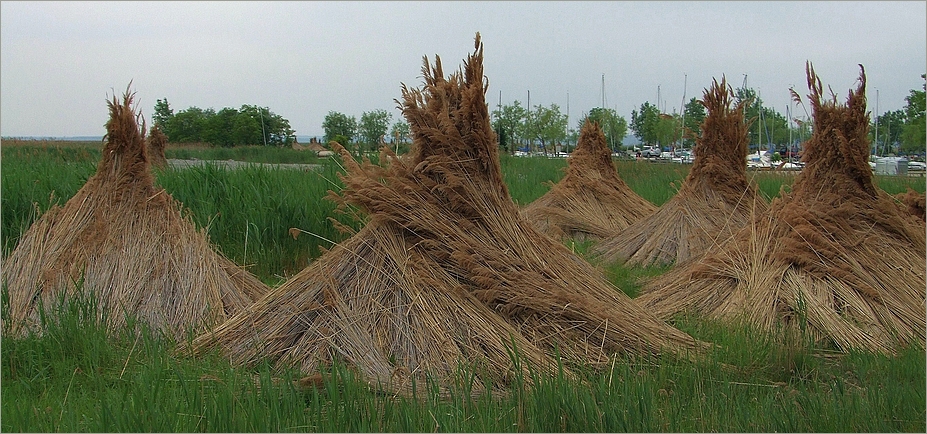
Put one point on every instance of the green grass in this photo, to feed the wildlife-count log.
(248, 213)
(79, 376)
(252, 154)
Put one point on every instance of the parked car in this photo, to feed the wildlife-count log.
(651, 152)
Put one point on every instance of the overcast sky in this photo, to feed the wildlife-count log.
(61, 62)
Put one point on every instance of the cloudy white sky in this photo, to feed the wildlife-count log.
(61, 61)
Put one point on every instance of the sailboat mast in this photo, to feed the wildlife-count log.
(682, 108)
(603, 91)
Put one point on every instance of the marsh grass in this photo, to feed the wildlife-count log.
(252, 154)
(79, 376)
(248, 213)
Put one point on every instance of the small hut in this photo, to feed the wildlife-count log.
(836, 257)
(128, 244)
(591, 201)
(715, 199)
(445, 273)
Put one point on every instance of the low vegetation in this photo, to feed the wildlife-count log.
(80, 377)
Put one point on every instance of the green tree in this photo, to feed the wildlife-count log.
(246, 130)
(340, 128)
(694, 115)
(400, 133)
(614, 127)
(279, 132)
(509, 121)
(218, 129)
(274, 129)
(914, 135)
(751, 104)
(644, 123)
(162, 114)
(667, 130)
(775, 128)
(249, 125)
(187, 125)
(548, 126)
(373, 126)
(886, 138)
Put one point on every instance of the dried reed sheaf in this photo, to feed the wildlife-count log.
(446, 273)
(127, 243)
(835, 257)
(591, 201)
(715, 199)
(156, 141)
(913, 203)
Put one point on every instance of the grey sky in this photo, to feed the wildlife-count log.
(60, 62)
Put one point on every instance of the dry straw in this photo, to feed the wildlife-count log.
(836, 257)
(127, 243)
(446, 273)
(913, 203)
(591, 201)
(157, 141)
(715, 199)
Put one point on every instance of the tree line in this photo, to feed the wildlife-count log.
(247, 125)
(541, 129)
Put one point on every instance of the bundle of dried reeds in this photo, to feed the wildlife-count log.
(715, 199)
(446, 272)
(835, 257)
(157, 141)
(591, 201)
(913, 203)
(127, 243)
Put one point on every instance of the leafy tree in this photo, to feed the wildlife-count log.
(914, 136)
(509, 120)
(694, 116)
(187, 126)
(887, 136)
(573, 137)
(218, 129)
(548, 126)
(249, 125)
(752, 107)
(667, 129)
(503, 138)
(400, 134)
(775, 128)
(274, 131)
(279, 132)
(246, 130)
(768, 128)
(340, 128)
(644, 123)
(373, 126)
(162, 114)
(614, 127)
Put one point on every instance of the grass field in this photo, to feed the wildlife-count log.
(80, 377)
